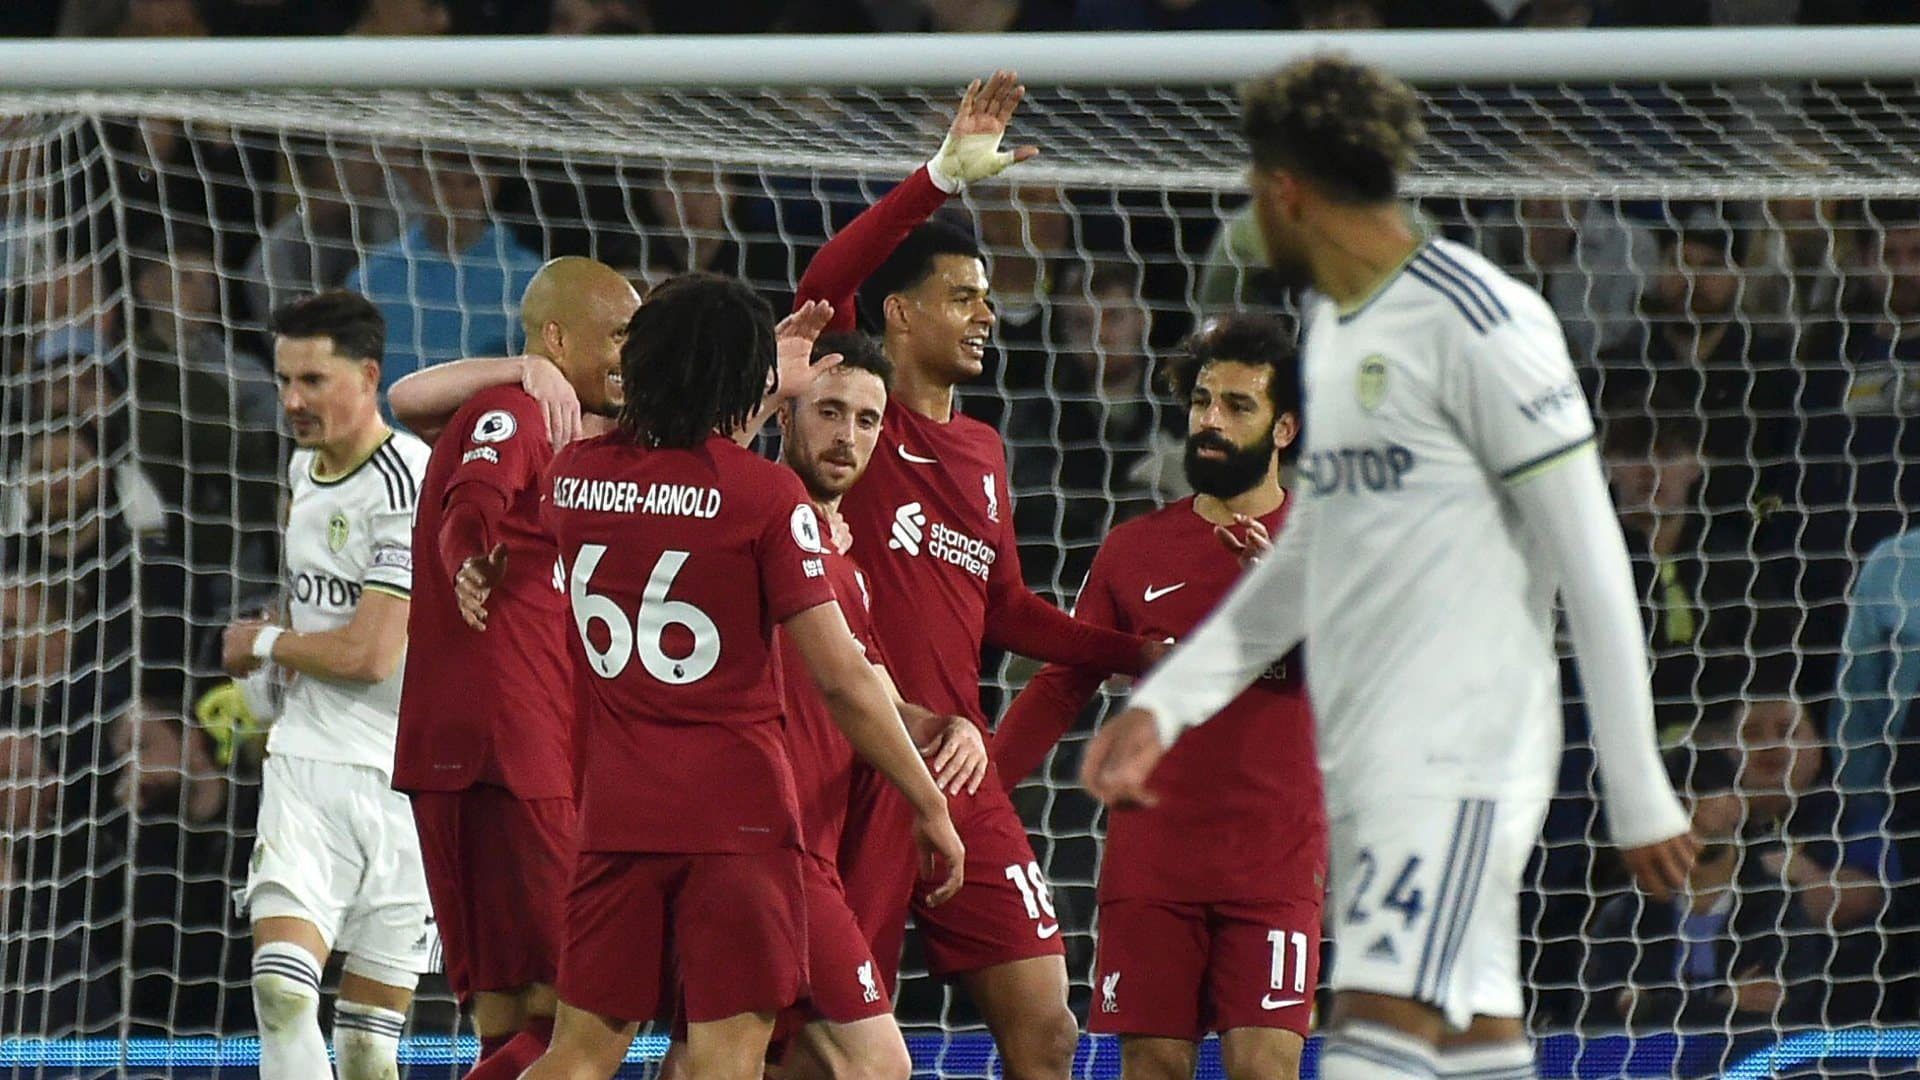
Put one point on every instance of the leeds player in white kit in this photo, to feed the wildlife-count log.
(1448, 488)
(336, 862)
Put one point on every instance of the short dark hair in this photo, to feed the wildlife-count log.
(1699, 770)
(858, 352)
(698, 360)
(1663, 420)
(1348, 128)
(911, 264)
(1253, 340)
(351, 321)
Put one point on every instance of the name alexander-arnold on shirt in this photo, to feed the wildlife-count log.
(629, 497)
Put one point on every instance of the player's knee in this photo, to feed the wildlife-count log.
(283, 1002)
(361, 1055)
(1042, 1047)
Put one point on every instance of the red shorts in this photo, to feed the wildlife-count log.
(728, 930)
(1003, 913)
(1179, 970)
(498, 868)
(846, 983)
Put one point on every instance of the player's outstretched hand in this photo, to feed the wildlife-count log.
(236, 647)
(475, 582)
(557, 398)
(794, 338)
(958, 759)
(938, 842)
(1662, 868)
(1250, 544)
(972, 148)
(1120, 758)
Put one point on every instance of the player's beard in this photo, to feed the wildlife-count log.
(1237, 472)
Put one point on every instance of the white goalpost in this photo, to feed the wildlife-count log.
(1727, 223)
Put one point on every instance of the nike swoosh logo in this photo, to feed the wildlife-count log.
(916, 458)
(1048, 931)
(1268, 1003)
(1155, 594)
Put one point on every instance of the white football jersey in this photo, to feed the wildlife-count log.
(1430, 650)
(344, 536)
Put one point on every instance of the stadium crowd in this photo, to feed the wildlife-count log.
(1749, 363)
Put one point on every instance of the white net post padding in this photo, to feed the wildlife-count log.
(1732, 259)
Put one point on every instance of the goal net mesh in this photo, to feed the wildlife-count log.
(1735, 266)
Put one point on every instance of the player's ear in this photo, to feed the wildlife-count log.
(370, 371)
(1285, 430)
(894, 307)
(553, 336)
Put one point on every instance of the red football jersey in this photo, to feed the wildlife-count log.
(933, 529)
(678, 565)
(823, 759)
(495, 707)
(1241, 814)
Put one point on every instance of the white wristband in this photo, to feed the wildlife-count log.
(949, 184)
(263, 643)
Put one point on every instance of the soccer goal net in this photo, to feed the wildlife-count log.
(1727, 224)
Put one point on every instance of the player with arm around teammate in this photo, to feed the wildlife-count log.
(335, 864)
(1209, 901)
(486, 719)
(680, 552)
(1449, 488)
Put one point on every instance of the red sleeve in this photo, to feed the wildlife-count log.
(792, 551)
(1020, 622)
(837, 270)
(1052, 700)
(467, 528)
(503, 443)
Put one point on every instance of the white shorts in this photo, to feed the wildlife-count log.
(1425, 903)
(336, 847)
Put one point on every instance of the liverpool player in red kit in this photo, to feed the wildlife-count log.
(680, 552)
(828, 435)
(1210, 900)
(484, 744)
(932, 526)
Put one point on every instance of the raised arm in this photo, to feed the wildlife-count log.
(971, 152)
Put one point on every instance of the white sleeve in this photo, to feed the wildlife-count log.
(1514, 394)
(390, 565)
(1262, 618)
(1568, 512)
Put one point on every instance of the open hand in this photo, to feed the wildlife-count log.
(795, 369)
(543, 381)
(1250, 544)
(972, 148)
(958, 758)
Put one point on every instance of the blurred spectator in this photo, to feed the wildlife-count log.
(403, 18)
(171, 171)
(162, 18)
(1587, 258)
(450, 285)
(598, 17)
(1180, 14)
(1872, 721)
(341, 208)
(1796, 267)
(692, 221)
(1728, 953)
(1073, 448)
(180, 315)
(1713, 611)
(1695, 345)
(75, 528)
(1341, 14)
(1023, 229)
(1837, 875)
(71, 314)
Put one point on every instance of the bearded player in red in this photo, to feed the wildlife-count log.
(485, 736)
(932, 526)
(1209, 900)
(681, 552)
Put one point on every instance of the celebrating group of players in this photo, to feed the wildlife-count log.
(686, 733)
